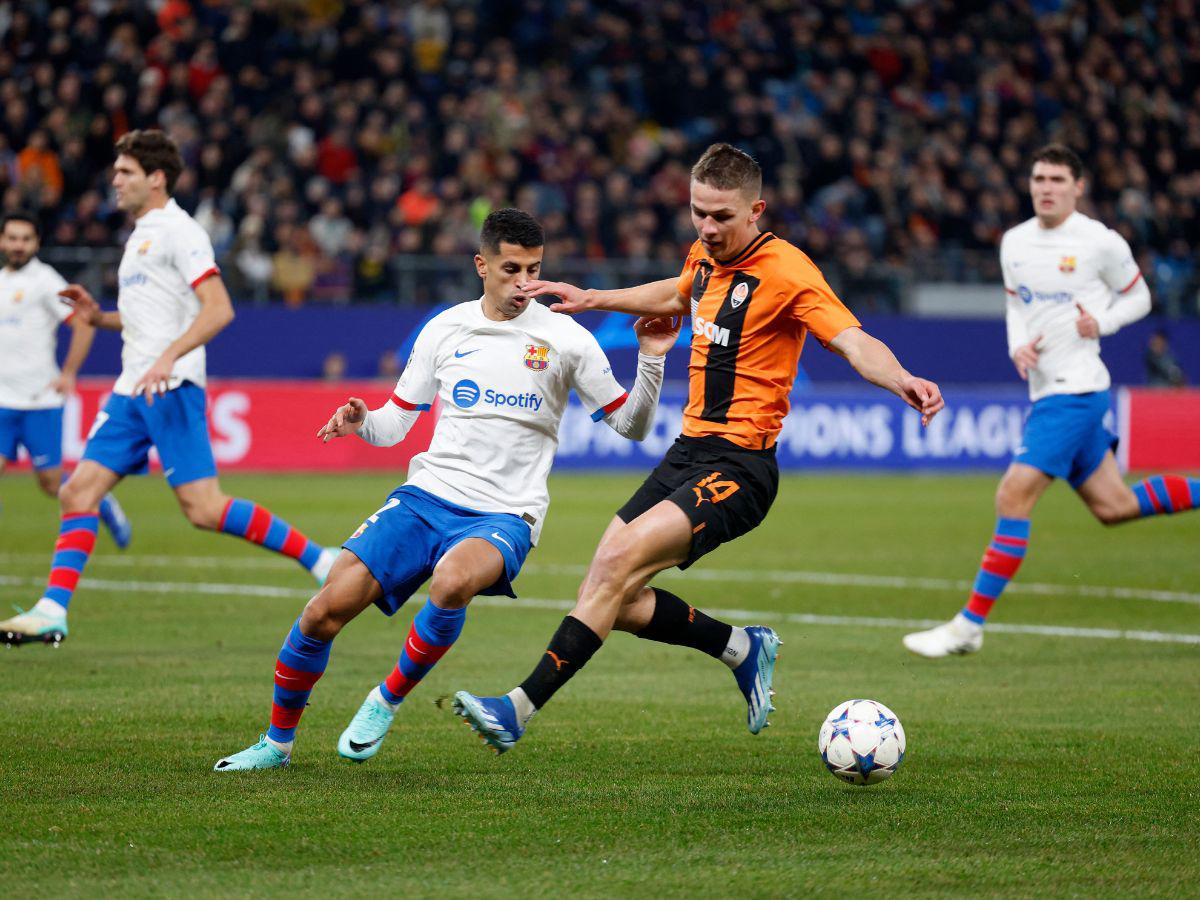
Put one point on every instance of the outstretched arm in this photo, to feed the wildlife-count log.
(655, 299)
(872, 359)
(87, 310)
(383, 427)
(655, 337)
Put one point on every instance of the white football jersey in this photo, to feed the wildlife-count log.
(1046, 272)
(166, 256)
(30, 313)
(503, 389)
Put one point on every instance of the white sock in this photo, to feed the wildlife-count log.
(282, 746)
(382, 700)
(48, 608)
(523, 705)
(962, 623)
(737, 649)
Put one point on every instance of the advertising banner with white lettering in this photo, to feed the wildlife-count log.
(271, 426)
(831, 428)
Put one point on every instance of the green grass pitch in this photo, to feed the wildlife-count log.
(1052, 763)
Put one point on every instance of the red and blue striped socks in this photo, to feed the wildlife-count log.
(302, 662)
(1001, 560)
(434, 631)
(1163, 495)
(76, 540)
(247, 520)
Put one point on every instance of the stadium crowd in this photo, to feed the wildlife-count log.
(326, 138)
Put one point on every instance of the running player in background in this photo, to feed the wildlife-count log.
(1069, 280)
(475, 501)
(753, 299)
(171, 302)
(32, 389)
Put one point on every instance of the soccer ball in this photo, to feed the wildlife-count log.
(862, 742)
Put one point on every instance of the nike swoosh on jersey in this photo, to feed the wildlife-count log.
(498, 537)
(458, 355)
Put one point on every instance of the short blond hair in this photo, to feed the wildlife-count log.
(727, 168)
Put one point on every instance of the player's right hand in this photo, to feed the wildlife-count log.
(346, 420)
(86, 308)
(1025, 357)
(571, 299)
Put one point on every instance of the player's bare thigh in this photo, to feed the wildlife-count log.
(629, 555)
(1020, 489)
(202, 502)
(467, 568)
(1107, 495)
(86, 487)
(349, 589)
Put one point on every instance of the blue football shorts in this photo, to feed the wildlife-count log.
(1065, 435)
(402, 543)
(127, 427)
(39, 431)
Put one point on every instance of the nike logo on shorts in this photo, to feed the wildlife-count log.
(497, 536)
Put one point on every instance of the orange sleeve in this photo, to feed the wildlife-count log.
(818, 308)
(684, 285)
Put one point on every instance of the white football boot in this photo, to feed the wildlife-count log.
(958, 636)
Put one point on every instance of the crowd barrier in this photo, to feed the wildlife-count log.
(271, 426)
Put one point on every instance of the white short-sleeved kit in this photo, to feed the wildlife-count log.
(503, 388)
(1047, 271)
(166, 256)
(30, 313)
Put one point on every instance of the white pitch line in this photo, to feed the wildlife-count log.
(781, 576)
(259, 590)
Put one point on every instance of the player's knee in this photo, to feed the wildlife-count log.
(75, 497)
(452, 587)
(201, 514)
(1110, 513)
(320, 619)
(1011, 500)
(49, 481)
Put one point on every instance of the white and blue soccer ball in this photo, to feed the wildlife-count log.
(862, 742)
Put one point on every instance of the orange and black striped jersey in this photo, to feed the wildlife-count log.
(750, 316)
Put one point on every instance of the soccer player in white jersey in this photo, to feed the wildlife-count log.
(32, 388)
(171, 302)
(474, 503)
(1070, 281)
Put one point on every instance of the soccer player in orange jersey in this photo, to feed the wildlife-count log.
(753, 299)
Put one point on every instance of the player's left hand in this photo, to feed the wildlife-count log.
(63, 385)
(1086, 324)
(923, 396)
(657, 335)
(157, 379)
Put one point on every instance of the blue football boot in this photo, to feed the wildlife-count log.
(492, 718)
(755, 674)
(116, 521)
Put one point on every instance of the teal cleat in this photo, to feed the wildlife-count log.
(755, 675)
(366, 731)
(263, 755)
(33, 627)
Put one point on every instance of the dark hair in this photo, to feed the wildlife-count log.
(510, 226)
(154, 152)
(20, 215)
(1059, 155)
(727, 168)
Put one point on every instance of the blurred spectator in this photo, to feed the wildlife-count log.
(389, 366)
(1162, 370)
(333, 368)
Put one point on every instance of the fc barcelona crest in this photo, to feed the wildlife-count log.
(537, 357)
(144, 248)
(1067, 265)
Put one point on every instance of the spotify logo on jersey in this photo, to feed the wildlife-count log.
(466, 393)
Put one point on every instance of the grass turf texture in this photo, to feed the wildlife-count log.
(1050, 765)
